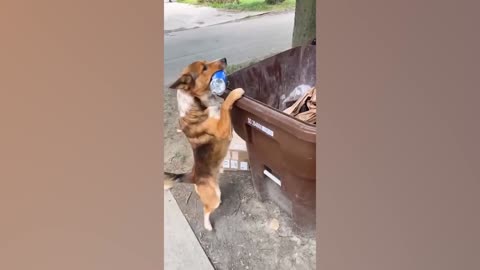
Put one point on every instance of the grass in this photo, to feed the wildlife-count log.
(247, 5)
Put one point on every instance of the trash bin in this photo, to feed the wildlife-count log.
(281, 148)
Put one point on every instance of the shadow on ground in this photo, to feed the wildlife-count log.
(245, 234)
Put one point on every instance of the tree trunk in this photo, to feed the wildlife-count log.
(305, 22)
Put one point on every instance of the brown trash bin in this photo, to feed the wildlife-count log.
(281, 148)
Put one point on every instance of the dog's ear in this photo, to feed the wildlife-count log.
(185, 82)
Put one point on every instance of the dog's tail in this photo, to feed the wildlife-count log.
(170, 179)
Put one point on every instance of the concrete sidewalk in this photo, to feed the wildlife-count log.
(182, 249)
(179, 16)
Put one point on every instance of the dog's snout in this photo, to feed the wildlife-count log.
(223, 60)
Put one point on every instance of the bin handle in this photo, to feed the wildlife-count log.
(272, 177)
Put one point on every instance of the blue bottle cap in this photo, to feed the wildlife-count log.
(221, 74)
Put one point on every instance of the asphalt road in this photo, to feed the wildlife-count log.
(238, 41)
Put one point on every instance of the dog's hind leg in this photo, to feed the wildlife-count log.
(209, 193)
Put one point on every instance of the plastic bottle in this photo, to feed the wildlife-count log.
(218, 84)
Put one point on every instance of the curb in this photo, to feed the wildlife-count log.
(232, 21)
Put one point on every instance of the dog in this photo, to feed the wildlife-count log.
(205, 121)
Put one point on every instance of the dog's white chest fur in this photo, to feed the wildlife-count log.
(185, 102)
(214, 104)
(214, 112)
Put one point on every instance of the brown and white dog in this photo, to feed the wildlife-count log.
(206, 123)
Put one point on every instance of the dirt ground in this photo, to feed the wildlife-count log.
(245, 233)
(176, 150)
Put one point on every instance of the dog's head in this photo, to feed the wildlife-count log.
(195, 78)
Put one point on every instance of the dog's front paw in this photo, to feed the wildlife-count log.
(237, 93)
